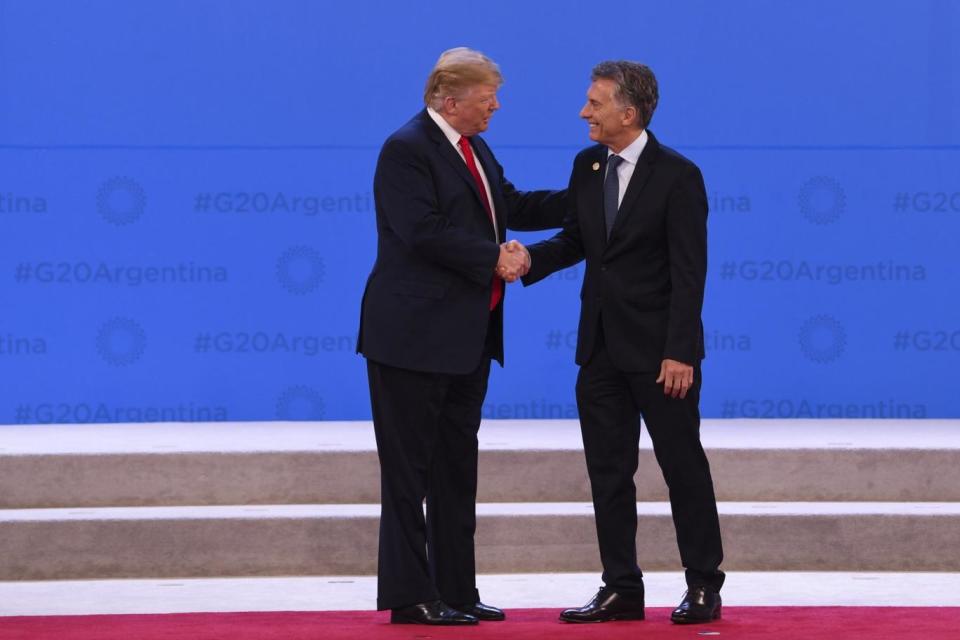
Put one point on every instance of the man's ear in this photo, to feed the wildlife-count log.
(630, 114)
(449, 104)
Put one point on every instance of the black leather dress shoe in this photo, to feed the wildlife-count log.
(699, 604)
(481, 611)
(607, 605)
(436, 612)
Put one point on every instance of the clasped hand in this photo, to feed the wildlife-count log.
(514, 262)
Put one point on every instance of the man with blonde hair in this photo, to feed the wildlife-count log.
(431, 321)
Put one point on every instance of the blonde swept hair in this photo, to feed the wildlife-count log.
(456, 71)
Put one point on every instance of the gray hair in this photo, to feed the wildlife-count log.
(636, 86)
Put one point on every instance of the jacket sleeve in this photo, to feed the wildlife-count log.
(528, 210)
(407, 201)
(534, 210)
(562, 250)
(687, 244)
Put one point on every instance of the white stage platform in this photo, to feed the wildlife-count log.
(547, 590)
(173, 517)
(495, 435)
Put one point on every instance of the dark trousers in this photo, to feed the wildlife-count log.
(426, 427)
(611, 403)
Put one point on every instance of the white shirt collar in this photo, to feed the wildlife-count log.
(452, 134)
(633, 150)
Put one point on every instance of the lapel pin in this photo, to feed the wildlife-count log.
(596, 166)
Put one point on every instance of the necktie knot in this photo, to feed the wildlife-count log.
(614, 162)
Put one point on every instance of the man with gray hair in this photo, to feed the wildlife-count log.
(638, 214)
(431, 321)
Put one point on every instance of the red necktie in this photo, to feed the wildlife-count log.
(497, 293)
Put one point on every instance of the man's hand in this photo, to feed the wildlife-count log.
(677, 378)
(514, 262)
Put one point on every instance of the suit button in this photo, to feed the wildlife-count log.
(603, 267)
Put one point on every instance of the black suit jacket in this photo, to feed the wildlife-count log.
(646, 283)
(426, 303)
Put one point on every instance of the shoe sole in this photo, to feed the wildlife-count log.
(402, 620)
(494, 618)
(716, 616)
(614, 618)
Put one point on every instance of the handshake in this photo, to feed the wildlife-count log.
(514, 262)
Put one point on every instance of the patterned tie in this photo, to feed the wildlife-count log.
(497, 293)
(611, 192)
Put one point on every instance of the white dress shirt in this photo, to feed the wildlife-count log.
(630, 155)
(454, 137)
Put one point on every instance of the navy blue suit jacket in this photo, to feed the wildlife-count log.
(645, 283)
(426, 303)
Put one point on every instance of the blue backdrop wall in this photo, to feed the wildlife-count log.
(186, 218)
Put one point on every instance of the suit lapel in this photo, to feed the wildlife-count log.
(593, 193)
(450, 154)
(638, 180)
(485, 157)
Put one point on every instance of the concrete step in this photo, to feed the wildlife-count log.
(510, 591)
(210, 541)
(104, 465)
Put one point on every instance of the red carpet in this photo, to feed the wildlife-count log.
(746, 623)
